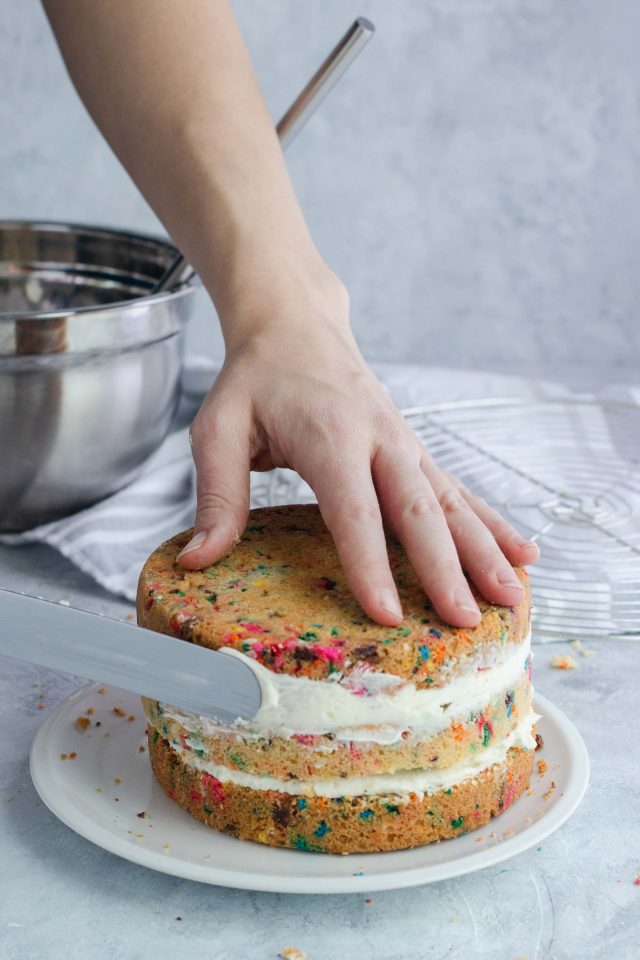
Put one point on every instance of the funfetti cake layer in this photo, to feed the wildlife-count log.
(350, 708)
(282, 599)
(349, 823)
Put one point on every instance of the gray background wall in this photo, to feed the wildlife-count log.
(475, 179)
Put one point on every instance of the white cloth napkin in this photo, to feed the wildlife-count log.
(111, 540)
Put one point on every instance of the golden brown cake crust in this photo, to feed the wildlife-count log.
(365, 824)
(281, 597)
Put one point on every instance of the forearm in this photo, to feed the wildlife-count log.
(171, 87)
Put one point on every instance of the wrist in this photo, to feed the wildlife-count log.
(279, 292)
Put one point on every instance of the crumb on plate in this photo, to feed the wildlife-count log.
(582, 650)
(563, 662)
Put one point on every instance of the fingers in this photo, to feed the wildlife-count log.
(479, 553)
(516, 549)
(412, 510)
(221, 453)
(349, 507)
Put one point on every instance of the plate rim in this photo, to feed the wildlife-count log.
(533, 834)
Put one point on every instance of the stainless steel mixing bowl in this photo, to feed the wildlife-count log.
(89, 364)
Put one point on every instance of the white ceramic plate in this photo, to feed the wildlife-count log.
(101, 792)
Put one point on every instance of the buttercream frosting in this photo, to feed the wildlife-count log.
(365, 705)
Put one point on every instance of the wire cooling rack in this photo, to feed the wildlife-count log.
(564, 472)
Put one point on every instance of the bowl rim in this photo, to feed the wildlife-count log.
(186, 287)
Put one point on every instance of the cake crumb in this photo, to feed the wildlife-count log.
(545, 796)
(507, 833)
(141, 749)
(82, 723)
(118, 712)
(73, 755)
(142, 815)
(543, 766)
(292, 953)
(64, 756)
(130, 717)
(582, 650)
(563, 662)
(117, 780)
(90, 712)
(101, 691)
(531, 792)
(98, 789)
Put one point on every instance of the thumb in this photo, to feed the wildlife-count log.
(222, 460)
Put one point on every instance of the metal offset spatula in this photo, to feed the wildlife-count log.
(126, 656)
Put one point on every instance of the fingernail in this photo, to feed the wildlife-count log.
(527, 543)
(464, 600)
(508, 580)
(389, 601)
(193, 544)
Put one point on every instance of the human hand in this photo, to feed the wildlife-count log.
(301, 396)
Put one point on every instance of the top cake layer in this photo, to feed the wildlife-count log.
(282, 598)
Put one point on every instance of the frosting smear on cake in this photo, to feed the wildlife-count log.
(366, 705)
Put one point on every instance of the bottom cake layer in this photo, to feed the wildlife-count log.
(363, 824)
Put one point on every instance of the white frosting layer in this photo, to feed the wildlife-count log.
(403, 782)
(365, 705)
